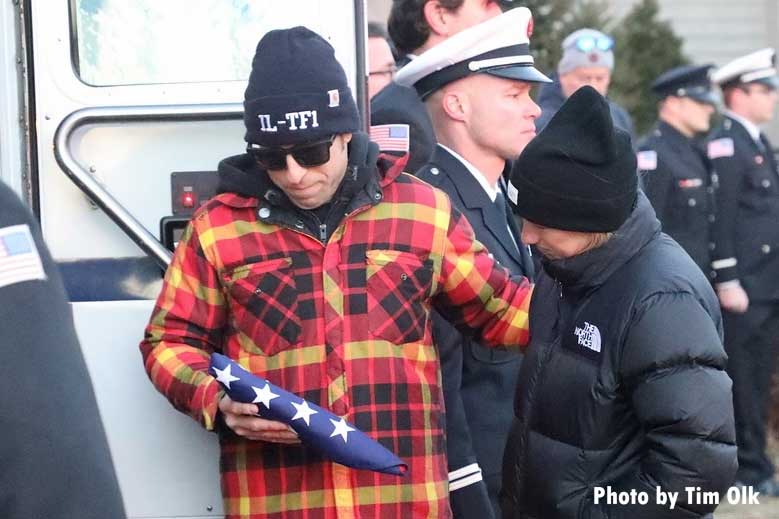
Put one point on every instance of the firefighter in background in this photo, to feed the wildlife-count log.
(746, 253)
(676, 172)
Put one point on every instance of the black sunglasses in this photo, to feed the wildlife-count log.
(308, 154)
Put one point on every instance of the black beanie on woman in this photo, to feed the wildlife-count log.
(579, 173)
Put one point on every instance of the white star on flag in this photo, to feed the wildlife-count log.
(341, 427)
(225, 376)
(303, 411)
(264, 395)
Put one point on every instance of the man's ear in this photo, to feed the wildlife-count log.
(437, 18)
(454, 103)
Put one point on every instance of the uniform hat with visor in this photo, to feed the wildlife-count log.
(499, 46)
(687, 81)
(757, 67)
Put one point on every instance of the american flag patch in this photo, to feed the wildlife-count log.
(721, 148)
(19, 259)
(391, 137)
(647, 160)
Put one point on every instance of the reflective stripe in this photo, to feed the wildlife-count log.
(464, 482)
(724, 263)
(464, 471)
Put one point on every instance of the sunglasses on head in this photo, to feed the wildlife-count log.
(589, 43)
(308, 154)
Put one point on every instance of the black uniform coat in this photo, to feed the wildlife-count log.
(622, 385)
(747, 226)
(478, 382)
(680, 189)
(746, 235)
(54, 459)
(396, 104)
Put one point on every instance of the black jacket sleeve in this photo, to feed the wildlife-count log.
(673, 369)
(468, 493)
(54, 458)
(730, 177)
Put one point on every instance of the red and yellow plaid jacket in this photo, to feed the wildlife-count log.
(345, 324)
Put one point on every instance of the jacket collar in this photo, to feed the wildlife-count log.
(476, 200)
(591, 269)
(468, 187)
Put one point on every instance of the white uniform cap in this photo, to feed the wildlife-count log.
(757, 66)
(499, 46)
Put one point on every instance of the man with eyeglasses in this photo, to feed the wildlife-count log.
(588, 59)
(416, 26)
(317, 267)
(675, 171)
(381, 62)
(746, 253)
(476, 86)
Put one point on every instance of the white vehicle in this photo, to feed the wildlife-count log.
(113, 117)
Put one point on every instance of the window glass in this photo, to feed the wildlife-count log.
(121, 42)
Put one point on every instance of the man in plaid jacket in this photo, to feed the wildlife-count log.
(317, 268)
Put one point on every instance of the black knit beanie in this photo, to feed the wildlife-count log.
(579, 173)
(297, 91)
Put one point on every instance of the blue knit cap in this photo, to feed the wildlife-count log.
(297, 91)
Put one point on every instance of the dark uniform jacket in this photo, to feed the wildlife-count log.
(396, 104)
(622, 385)
(54, 459)
(746, 233)
(478, 381)
(551, 98)
(677, 180)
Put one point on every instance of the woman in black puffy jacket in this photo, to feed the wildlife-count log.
(623, 407)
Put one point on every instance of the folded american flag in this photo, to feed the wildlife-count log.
(318, 428)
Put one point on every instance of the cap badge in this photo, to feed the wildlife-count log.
(594, 57)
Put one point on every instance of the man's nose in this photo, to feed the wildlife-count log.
(529, 236)
(295, 172)
(534, 110)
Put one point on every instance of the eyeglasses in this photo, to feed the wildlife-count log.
(589, 43)
(386, 72)
(308, 154)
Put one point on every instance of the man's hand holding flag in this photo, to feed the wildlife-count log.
(317, 427)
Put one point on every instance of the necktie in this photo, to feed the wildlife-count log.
(502, 207)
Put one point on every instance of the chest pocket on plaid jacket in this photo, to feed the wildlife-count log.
(264, 304)
(398, 286)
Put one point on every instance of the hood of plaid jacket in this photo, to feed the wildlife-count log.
(240, 174)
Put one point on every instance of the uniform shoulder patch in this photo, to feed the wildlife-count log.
(721, 148)
(647, 160)
(19, 259)
(391, 137)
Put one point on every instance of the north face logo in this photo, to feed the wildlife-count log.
(589, 336)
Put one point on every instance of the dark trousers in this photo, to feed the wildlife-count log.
(750, 341)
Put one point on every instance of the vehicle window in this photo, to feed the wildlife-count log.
(116, 42)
